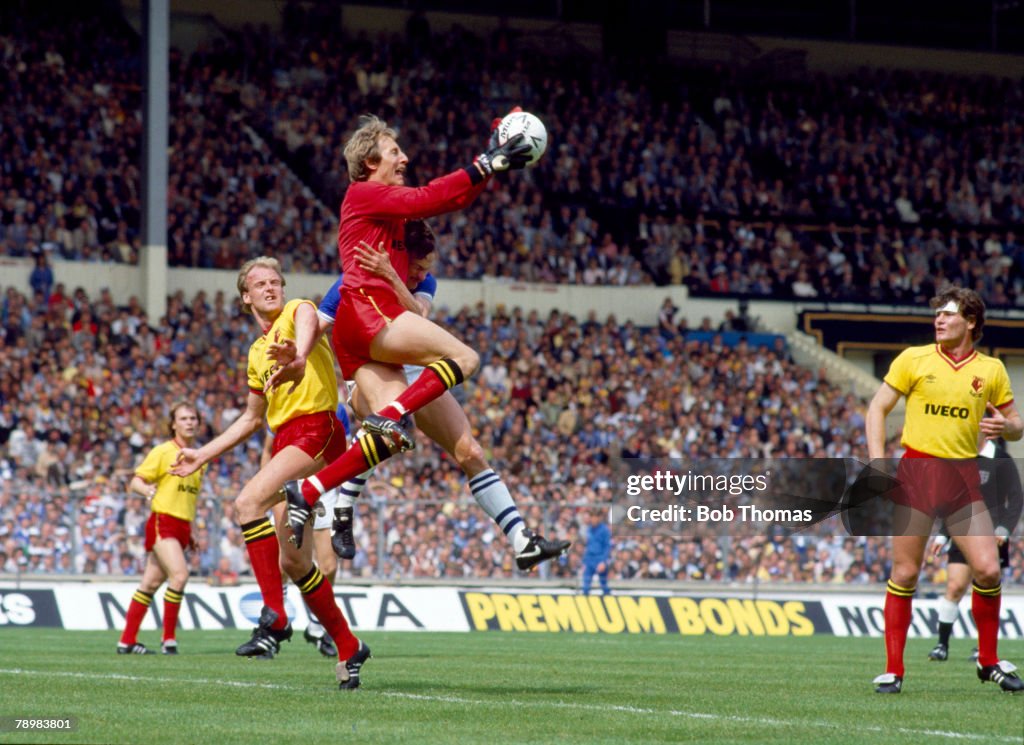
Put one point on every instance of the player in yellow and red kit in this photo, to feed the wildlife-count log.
(954, 395)
(168, 530)
(307, 433)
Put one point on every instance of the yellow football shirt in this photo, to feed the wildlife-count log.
(946, 399)
(318, 390)
(174, 496)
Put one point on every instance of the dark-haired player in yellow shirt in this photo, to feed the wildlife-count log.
(307, 433)
(954, 396)
(168, 530)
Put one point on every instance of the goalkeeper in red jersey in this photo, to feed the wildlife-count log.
(376, 334)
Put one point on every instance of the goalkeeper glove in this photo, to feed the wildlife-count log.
(512, 155)
(496, 122)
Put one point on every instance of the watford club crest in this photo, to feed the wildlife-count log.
(977, 385)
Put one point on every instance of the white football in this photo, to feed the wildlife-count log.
(532, 128)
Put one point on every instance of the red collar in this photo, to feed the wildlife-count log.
(952, 361)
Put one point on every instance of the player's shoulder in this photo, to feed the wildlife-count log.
(428, 286)
(359, 190)
(166, 447)
(257, 345)
(294, 303)
(920, 353)
(989, 361)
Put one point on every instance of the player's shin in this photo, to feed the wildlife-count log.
(898, 613)
(136, 613)
(494, 498)
(172, 604)
(367, 451)
(985, 605)
(319, 596)
(264, 553)
(435, 379)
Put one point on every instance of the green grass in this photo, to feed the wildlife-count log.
(501, 688)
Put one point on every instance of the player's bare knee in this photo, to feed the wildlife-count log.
(987, 575)
(178, 580)
(470, 456)
(904, 575)
(295, 565)
(955, 592)
(249, 506)
(468, 361)
(328, 567)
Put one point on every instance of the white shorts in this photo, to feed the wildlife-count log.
(328, 500)
(412, 372)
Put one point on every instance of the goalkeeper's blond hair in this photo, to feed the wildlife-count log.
(362, 147)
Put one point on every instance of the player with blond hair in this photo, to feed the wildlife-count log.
(307, 433)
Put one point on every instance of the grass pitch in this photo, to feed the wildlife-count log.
(501, 688)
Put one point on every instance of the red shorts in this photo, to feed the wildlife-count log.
(362, 314)
(318, 435)
(936, 486)
(160, 526)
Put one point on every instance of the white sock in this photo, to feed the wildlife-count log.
(493, 496)
(948, 610)
(352, 489)
(315, 629)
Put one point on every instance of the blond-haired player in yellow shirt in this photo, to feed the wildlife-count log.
(307, 433)
(955, 395)
(168, 530)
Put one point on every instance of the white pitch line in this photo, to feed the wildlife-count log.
(766, 721)
(695, 715)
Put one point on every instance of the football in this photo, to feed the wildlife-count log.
(531, 127)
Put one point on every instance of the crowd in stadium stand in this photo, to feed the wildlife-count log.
(84, 386)
(877, 187)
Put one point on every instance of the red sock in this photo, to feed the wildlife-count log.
(261, 543)
(136, 612)
(985, 604)
(435, 379)
(898, 610)
(172, 604)
(366, 452)
(319, 596)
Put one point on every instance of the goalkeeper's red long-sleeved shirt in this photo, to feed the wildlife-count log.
(376, 213)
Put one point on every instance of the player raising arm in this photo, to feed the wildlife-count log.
(306, 433)
(379, 334)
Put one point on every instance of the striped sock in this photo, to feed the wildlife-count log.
(319, 597)
(133, 618)
(172, 604)
(352, 489)
(898, 613)
(365, 454)
(493, 496)
(436, 378)
(985, 605)
(261, 544)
